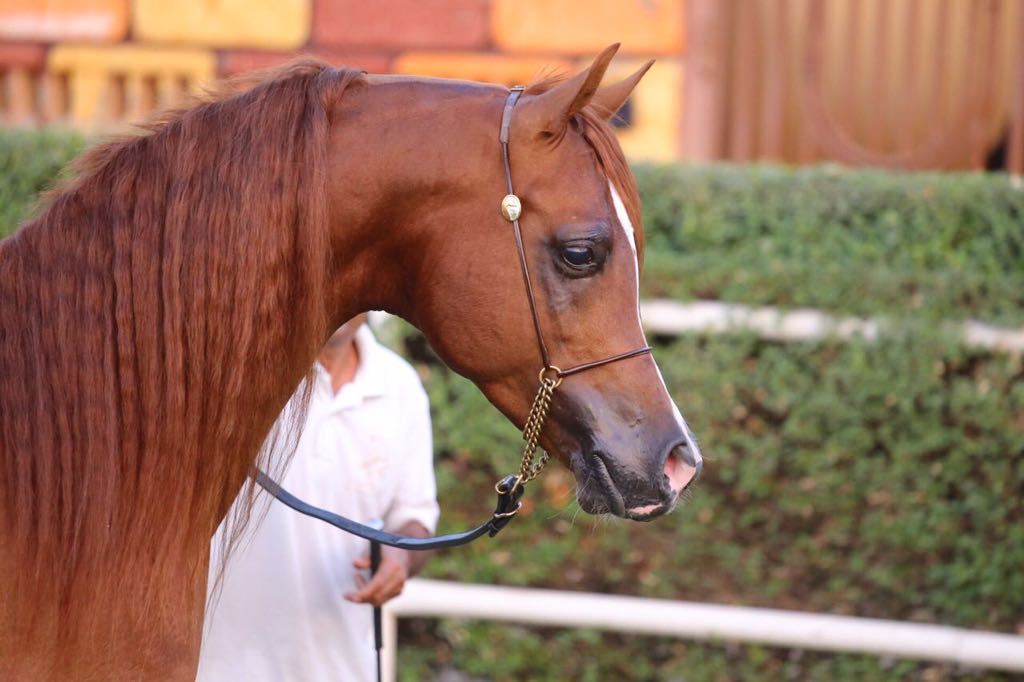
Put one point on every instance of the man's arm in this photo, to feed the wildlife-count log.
(396, 566)
(416, 560)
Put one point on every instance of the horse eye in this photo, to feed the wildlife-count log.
(578, 256)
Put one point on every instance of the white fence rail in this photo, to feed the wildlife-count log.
(691, 620)
(674, 318)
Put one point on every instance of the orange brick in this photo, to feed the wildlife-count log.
(267, 24)
(401, 24)
(491, 68)
(63, 19)
(587, 26)
(23, 55)
(248, 60)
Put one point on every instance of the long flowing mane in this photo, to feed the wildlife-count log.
(140, 312)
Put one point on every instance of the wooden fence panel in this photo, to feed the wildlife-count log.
(910, 84)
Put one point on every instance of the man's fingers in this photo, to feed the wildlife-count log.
(385, 584)
(366, 588)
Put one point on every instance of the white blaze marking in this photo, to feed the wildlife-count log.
(627, 226)
(620, 211)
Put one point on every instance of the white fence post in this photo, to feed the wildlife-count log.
(389, 651)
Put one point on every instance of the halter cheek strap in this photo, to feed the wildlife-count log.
(550, 375)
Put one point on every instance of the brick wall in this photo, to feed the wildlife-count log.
(98, 63)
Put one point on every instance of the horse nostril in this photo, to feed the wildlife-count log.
(682, 467)
(693, 458)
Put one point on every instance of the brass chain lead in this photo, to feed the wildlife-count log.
(529, 468)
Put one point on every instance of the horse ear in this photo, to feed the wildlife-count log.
(550, 111)
(610, 98)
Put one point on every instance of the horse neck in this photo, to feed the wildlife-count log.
(404, 156)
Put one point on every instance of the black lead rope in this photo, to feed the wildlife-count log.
(510, 489)
(378, 636)
(507, 506)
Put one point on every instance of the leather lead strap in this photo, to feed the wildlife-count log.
(508, 504)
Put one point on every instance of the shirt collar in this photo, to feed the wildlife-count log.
(370, 380)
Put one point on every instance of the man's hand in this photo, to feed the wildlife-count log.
(386, 583)
(396, 566)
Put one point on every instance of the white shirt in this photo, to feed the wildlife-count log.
(365, 453)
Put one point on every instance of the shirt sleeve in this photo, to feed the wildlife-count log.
(416, 495)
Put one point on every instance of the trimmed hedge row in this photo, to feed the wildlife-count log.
(878, 479)
(861, 242)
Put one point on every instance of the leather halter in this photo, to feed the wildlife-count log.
(506, 124)
(510, 488)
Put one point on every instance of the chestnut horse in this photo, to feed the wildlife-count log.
(163, 306)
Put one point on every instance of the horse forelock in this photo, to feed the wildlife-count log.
(141, 313)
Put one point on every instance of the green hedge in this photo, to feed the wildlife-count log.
(30, 162)
(880, 479)
(863, 242)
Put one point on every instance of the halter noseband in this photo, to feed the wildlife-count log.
(550, 375)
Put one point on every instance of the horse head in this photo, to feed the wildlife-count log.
(455, 272)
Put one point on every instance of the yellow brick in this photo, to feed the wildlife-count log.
(587, 26)
(490, 68)
(63, 19)
(111, 84)
(268, 24)
(657, 110)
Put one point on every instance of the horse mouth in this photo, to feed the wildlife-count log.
(597, 493)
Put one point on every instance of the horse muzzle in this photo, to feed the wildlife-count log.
(639, 493)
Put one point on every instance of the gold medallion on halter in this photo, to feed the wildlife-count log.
(511, 208)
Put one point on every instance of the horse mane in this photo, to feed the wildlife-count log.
(142, 312)
(592, 124)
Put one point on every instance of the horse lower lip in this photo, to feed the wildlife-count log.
(615, 501)
(645, 510)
